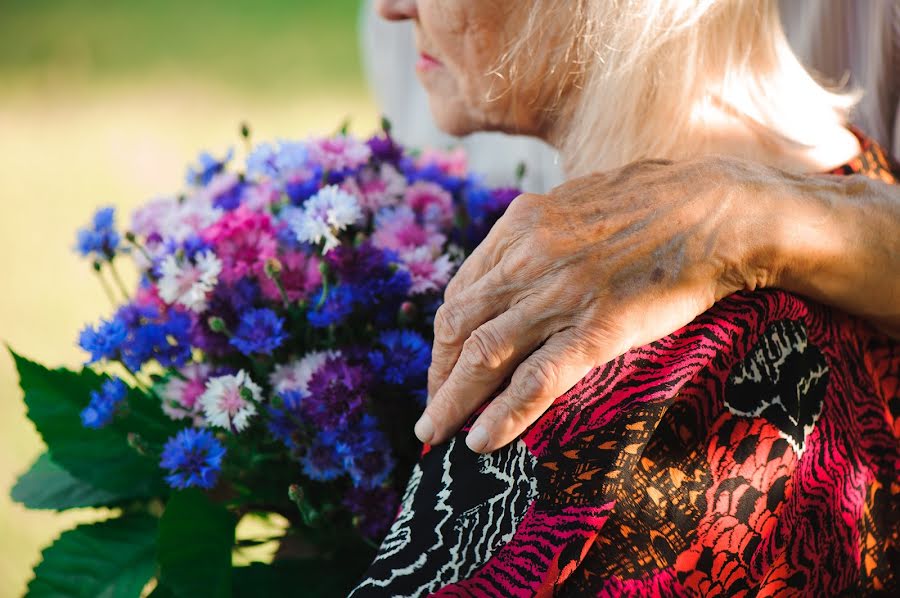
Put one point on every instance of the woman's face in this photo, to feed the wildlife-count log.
(460, 43)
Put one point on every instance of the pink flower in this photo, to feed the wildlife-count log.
(431, 202)
(339, 153)
(397, 229)
(261, 196)
(181, 394)
(376, 190)
(452, 162)
(427, 273)
(299, 276)
(243, 240)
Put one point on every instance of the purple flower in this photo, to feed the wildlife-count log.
(193, 458)
(102, 406)
(374, 510)
(384, 148)
(100, 238)
(404, 357)
(259, 331)
(337, 395)
(104, 341)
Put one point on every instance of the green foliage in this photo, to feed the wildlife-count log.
(101, 458)
(112, 559)
(196, 537)
(252, 45)
(46, 485)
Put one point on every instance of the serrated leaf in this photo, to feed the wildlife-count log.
(196, 537)
(102, 458)
(46, 485)
(110, 559)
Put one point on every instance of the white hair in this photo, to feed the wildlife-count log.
(641, 78)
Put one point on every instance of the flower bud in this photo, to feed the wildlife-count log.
(217, 324)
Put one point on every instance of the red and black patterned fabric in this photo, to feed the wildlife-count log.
(754, 452)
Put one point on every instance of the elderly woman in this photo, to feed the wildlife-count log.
(754, 451)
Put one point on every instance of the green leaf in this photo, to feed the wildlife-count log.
(196, 537)
(310, 578)
(112, 559)
(46, 485)
(102, 458)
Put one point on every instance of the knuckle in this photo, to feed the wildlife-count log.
(452, 288)
(537, 378)
(447, 323)
(482, 349)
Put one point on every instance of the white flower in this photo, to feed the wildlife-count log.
(297, 374)
(326, 213)
(189, 283)
(229, 401)
(190, 217)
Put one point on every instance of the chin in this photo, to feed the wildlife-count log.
(452, 119)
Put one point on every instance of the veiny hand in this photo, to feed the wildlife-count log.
(568, 281)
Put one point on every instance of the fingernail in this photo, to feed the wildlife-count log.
(428, 399)
(424, 429)
(477, 439)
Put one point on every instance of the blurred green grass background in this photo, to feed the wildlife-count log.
(104, 102)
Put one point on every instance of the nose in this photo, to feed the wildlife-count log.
(396, 10)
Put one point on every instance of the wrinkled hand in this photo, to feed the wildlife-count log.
(568, 281)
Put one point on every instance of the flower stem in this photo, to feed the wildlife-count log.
(118, 280)
(107, 290)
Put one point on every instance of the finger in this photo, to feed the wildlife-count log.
(455, 320)
(484, 258)
(547, 374)
(488, 356)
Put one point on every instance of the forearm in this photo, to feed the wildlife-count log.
(839, 243)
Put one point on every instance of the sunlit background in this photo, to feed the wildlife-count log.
(104, 102)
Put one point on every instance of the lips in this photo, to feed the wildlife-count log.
(427, 62)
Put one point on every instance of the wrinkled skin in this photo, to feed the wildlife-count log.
(570, 280)
(609, 262)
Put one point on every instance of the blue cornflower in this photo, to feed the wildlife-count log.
(193, 458)
(163, 337)
(104, 341)
(404, 357)
(259, 331)
(322, 461)
(366, 454)
(337, 306)
(100, 238)
(207, 167)
(299, 189)
(193, 245)
(102, 406)
(284, 421)
(432, 173)
(291, 156)
(230, 197)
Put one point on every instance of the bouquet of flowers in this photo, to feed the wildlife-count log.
(270, 363)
